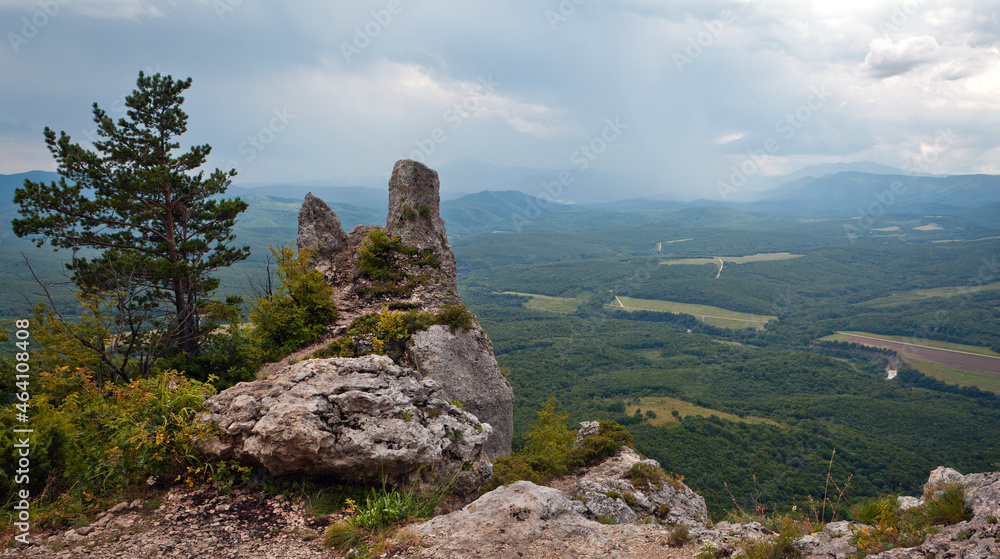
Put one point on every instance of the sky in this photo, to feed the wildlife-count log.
(693, 96)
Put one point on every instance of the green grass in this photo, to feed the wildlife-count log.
(937, 292)
(842, 337)
(664, 407)
(714, 316)
(564, 305)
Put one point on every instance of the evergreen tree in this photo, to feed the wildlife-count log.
(139, 201)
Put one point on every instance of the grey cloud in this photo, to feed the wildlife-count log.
(886, 58)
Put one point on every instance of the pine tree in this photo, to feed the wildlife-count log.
(141, 203)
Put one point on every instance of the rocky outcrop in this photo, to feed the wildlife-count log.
(320, 230)
(627, 489)
(977, 538)
(415, 216)
(461, 360)
(463, 363)
(525, 520)
(832, 542)
(361, 419)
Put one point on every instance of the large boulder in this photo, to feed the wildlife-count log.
(464, 364)
(362, 419)
(519, 520)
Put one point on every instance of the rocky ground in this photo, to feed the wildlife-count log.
(189, 523)
(522, 520)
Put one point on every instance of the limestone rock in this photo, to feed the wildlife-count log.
(319, 228)
(415, 212)
(831, 543)
(519, 520)
(464, 364)
(356, 418)
(973, 539)
(605, 491)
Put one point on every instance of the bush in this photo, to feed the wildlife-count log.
(389, 332)
(299, 312)
(384, 509)
(604, 444)
(888, 527)
(382, 259)
(550, 451)
(91, 441)
(642, 475)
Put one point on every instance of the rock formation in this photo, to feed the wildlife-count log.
(608, 491)
(977, 538)
(363, 419)
(414, 214)
(462, 359)
(320, 230)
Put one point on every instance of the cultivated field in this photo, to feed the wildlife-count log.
(563, 305)
(947, 362)
(664, 407)
(714, 316)
(921, 294)
(761, 257)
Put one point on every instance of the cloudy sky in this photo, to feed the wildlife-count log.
(683, 93)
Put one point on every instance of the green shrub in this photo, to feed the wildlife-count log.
(887, 527)
(642, 475)
(382, 258)
(93, 441)
(946, 506)
(299, 312)
(389, 332)
(384, 509)
(679, 535)
(604, 444)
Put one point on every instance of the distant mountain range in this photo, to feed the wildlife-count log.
(510, 199)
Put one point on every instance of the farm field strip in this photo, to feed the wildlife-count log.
(564, 305)
(958, 360)
(953, 376)
(664, 406)
(760, 257)
(922, 342)
(936, 292)
(719, 316)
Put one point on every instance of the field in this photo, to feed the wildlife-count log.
(934, 293)
(664, 407)
(947, 362)
(563, 305)
(713, 316)
(954, 376)
(843, 336)
(761, 257)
